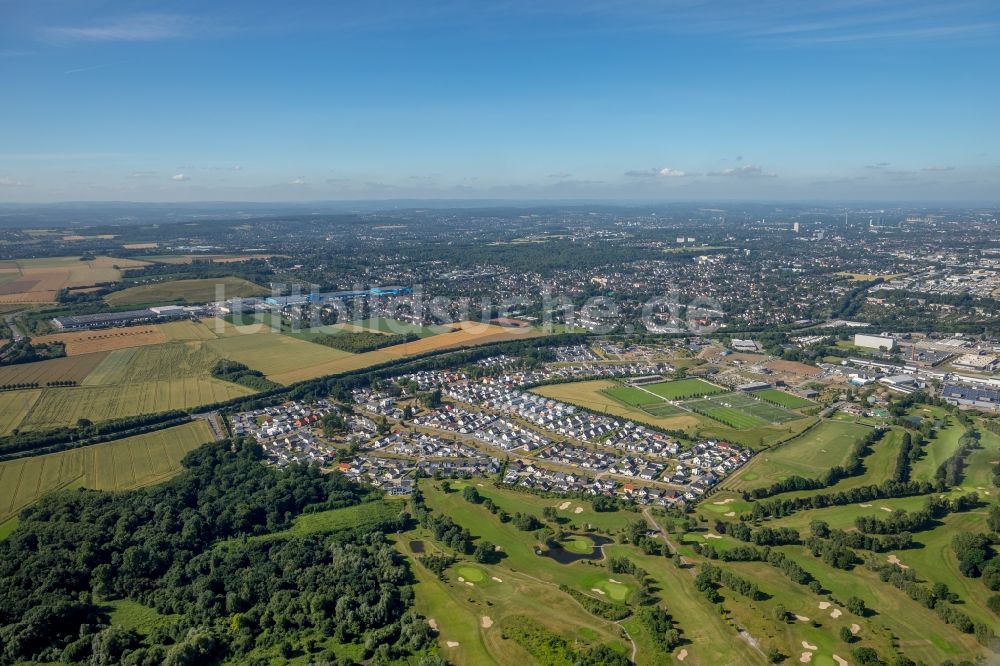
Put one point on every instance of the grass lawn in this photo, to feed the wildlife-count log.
(133, 615)
(634, 397)
(683, 388)
(366, 515)
(939, 449)
(783, 399)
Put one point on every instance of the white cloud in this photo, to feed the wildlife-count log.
(6, 181)
(180, 177)
(142, 174)
(667, 172)
(748, 171)
(938, 168)
(297, 181)
(140, 28)
(237, 167)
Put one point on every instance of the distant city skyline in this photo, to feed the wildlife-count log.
(135, 100)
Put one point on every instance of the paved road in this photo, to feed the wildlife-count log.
(11, 324)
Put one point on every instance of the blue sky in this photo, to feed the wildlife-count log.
(602, 99)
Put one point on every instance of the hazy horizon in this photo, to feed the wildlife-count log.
(134, 100)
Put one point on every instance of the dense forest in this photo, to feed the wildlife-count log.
(202, 551)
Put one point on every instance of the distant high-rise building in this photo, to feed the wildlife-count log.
(795, 227)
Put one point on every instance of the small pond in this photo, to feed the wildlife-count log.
(563, 556)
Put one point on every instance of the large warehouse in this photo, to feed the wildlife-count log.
(127, 318)
(875, 341)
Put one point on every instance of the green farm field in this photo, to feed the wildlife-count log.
(14, 406)
(119, 465)
(273, 353)
(189, 291)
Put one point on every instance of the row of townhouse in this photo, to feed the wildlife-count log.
(298, 447)
(377, 402)
(427, 380)
(706, 463)
(527, 476)
(280, 420)
(603, 461)
(635, 438)
(421, 445)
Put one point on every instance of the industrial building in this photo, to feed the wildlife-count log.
(971, 397)
(883, 342)
(977, 362)
(127, 318)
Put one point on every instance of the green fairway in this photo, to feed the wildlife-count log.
(941, 447)
(811, 454)
(579, 544)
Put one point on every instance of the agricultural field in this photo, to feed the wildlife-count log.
(214, 258)
(188, 291)
(119, 465)
(467, 334)
(38, 280)
(14, 406)
(783, 399)
(275, 354)
(65, 406)
(105, 339)
(826, 445)
(382, 325)
(68, 368)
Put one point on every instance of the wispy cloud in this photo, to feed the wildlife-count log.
(180, 177)
(139, 28)
(878, 165)
(746, 171)
(143, 174)
(938, 168)
(664, 172)
(297, 181)
(7, 181)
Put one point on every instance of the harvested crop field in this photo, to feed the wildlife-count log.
(191, 291)
(467, 334)
(105, 339)
(69, 368)
(119, 465)
(39, 279)
(214, 258)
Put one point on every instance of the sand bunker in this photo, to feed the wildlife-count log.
(486, 622)
(600, 592)
(564, 506)
(432, 623)
(729, 514)
(801, 618)
(895, 560)
(835, 613)
(724, 502)
(823, 605)
(682, 655)
(855, 628)
(840, 661)
(452, 643)
(578, 509)
(461, 579)
(885, 508)
(865, 506)
(806, 657)
(469, 584)
(808, 646)
(616, 582)
(499, 580)
(712, 536)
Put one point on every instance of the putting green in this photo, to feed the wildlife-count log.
(471, 574)
(616, 591)
(579, 544)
